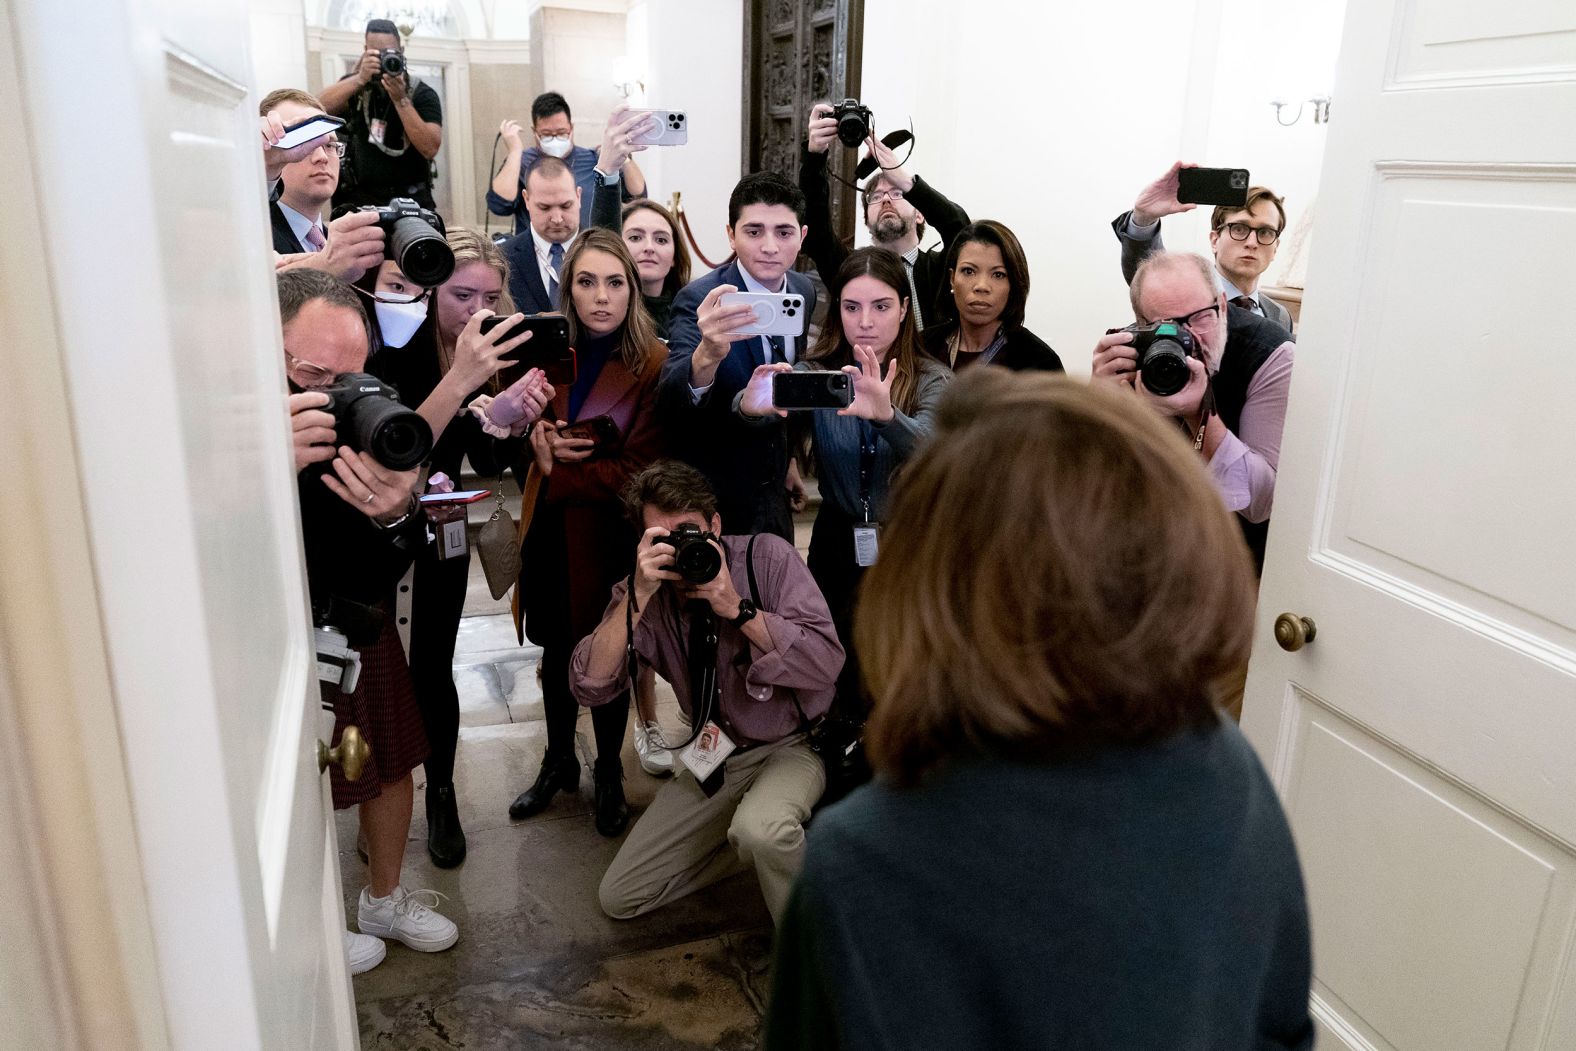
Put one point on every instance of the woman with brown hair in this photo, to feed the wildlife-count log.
(869, 335)
(660, 254)
(1066, 844)
(595, 436)
(979, 320)
(432, 349)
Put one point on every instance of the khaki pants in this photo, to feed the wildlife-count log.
(685, 841)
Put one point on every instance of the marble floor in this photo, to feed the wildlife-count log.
(538, 965)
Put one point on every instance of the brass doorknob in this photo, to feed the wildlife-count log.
(351, 755)
(1292, 632)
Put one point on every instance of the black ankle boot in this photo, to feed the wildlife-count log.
(556, 774)
(445, 837)
(612, 813)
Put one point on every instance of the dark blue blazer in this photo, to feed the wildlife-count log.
(525, 277)
(745, 463)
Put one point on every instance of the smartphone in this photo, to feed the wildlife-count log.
(776, 314)
(1228, 186)
(548, 348)
(468, 496)
(601, 430)
(671, 128)
(812, 390)
(306, 130)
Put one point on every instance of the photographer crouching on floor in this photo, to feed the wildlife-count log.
(751, 670)
(358, 453)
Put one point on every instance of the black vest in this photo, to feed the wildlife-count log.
(1250, 340)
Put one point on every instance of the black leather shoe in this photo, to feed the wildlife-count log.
(445, 837)
(612, 812)
(556, 775)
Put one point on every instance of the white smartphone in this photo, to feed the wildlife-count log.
(776, 313)
(671, 128)
(309, 129)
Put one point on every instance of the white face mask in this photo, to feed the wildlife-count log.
(557, 146)
(400, 320)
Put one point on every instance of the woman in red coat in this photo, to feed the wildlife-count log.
(579, 541)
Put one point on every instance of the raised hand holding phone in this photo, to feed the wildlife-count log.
(872, 386)
(756, 400)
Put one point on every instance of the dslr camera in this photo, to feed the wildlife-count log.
(1163, 349)
(368, 417)
(694, 557)
(414, 239)
(853, 122)
(391, 62)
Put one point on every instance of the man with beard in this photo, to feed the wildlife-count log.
(897, 206)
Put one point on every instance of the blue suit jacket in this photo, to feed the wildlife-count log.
(525, 277)
(745, 463)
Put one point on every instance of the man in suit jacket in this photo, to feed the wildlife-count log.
(897, 207)
(552, 201)
(710, 361)
(1237, 236)
(347, 247)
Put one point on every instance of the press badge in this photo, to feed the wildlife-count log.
(703, 755)
(375, 129)
(866, 544)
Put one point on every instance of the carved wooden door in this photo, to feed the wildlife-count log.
(797, 53)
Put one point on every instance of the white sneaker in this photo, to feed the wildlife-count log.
(363, 952)
(402, 917)
(658, 762)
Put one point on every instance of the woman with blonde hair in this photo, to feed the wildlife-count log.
(593, 438)
(434, 353)
(1066, 844)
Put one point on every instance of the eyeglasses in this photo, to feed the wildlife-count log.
(877, 196)
(1266, 235)
(1197, 319)
(307, 373)
(338, 149)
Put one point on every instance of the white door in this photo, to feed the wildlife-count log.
(1425, 741)
(154, 251)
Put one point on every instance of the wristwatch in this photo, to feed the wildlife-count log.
(609, 179)
(747, 613)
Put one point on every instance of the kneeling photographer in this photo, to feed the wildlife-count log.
(1221, 371)
(751, 672)
(358, 454)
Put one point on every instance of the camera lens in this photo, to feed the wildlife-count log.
(1164, 367)
(696, 560)
(393, 63)
(420, 251)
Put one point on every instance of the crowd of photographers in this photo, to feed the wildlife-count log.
(661, 426)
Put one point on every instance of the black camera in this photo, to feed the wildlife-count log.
(368, 417)
(853, 122)
(1163, 350)
(414, 240)
(694, 557)
(391, 61)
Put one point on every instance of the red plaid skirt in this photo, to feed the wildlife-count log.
(383, 708)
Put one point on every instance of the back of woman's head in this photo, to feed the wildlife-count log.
(1058, 573)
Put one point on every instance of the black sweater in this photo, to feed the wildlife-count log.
(1023, 352)
(1141, 897)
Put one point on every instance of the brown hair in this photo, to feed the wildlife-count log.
(990, 232)
(638, 333)
(278, 95)
(1217, 218)
(1088, 588)
(672, 487)
(679, 276)
(470, 247)
(832, 350)
(1168, 261)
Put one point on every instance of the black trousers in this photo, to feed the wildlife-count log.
(838, 573)
(608, 721)
(437, 601)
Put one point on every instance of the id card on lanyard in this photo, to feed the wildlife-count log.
(867, 540)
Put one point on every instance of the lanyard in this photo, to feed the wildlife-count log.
(867, 466)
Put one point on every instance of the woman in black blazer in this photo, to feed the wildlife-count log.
(983, 314)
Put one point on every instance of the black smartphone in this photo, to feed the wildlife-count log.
(812, 390)
(600, 429)
(1227, 186)
(548, 348)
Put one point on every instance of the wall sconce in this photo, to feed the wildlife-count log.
(1321, 110)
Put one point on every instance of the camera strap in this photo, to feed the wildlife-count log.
(701, 655)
